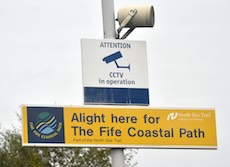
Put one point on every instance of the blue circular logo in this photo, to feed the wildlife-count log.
(46, 123)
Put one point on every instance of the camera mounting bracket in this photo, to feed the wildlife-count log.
(125, 22)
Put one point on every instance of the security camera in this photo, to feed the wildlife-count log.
(143, 18)
(114, 57)
(135, 16)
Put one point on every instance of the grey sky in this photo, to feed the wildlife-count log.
(188, 58)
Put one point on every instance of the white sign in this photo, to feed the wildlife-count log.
(115, 69)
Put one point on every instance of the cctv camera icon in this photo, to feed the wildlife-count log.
(114, 57)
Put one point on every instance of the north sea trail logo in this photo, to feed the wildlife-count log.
(172, 116)
(46, 125)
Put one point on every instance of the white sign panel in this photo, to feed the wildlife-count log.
(115, 71)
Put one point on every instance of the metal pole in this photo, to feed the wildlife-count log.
(117, 154)
(108, 19)
(118, 159)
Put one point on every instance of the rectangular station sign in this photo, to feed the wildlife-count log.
(115, 72)
(118, 127)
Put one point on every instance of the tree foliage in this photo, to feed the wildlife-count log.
(12, 154)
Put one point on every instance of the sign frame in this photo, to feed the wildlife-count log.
(115, 72)
(131, 111)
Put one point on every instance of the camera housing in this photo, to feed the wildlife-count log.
(143, 18)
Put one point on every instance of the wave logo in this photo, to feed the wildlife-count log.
(46, 123)
(172, 116)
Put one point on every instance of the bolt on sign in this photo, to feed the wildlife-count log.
(113, 127)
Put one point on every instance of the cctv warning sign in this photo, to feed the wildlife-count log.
(119, 127)
(115, 71)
